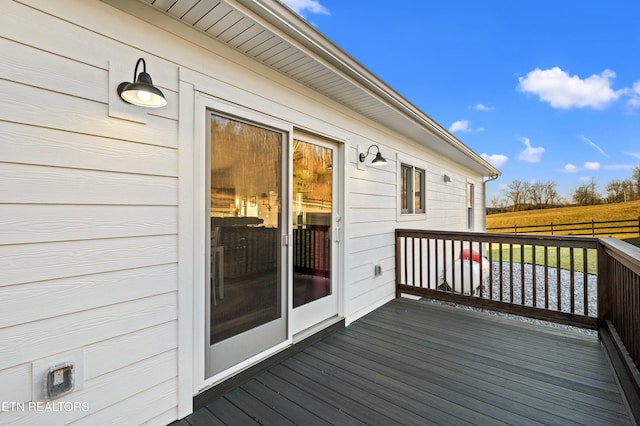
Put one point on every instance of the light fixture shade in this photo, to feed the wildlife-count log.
(142, 92)
(379, 160)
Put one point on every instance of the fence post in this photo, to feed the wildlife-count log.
(593, 229)
(515, 229)
(551, 228)
(638, 226)
(603, 283)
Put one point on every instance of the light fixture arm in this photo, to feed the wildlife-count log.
(135, 70)
(378, 161)
(364, 156)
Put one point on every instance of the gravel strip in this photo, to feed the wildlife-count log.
(526, 274)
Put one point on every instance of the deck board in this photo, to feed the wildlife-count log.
(413, 362)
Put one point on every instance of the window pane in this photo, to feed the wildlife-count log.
(405, 190)
(419, 191)
(470, 206)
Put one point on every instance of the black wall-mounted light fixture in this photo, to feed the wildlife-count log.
(378, 161)
(447, 178)
(142, 91)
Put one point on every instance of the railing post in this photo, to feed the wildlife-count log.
(398, 266)
(604, 307)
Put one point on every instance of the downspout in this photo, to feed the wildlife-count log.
(484, 192)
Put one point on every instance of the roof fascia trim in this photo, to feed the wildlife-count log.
(302, 32)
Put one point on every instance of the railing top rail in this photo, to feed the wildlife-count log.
(625, 253)
(540, 240)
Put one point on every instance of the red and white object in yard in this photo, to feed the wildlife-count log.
(462, 276)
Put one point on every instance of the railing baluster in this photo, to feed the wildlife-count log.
(438, 264)
(471, 284)
(572, 280)
(429, 263)
(546, 277)
(511, 272)
(453, 267)
(413, 260)
(490, 271)
(558, 281)
(533, 274)
(522, 289)
(406, 256)
(585, 285)
(481, 269)
(444, 265)
(501, 273)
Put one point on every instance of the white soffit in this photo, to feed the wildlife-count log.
(272, 34)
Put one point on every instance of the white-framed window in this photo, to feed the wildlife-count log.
(412, 190)
(470, 203)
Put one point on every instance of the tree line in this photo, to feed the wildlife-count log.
(519, 195)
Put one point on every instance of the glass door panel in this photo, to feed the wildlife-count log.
(313, 218)
(246, 309)
(312, 194)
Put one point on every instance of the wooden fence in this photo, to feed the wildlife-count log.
(592, 228)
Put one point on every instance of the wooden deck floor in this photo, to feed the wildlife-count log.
(415, 363)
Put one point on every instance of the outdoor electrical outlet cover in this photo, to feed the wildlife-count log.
(59, 380)
(50, 372)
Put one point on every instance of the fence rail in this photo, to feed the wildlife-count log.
(592, 228)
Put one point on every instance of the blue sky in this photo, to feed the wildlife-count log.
(545, 91)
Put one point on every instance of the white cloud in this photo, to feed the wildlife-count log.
(619, 167)
(570, 168)
(561, 90)
(482, 107)
(302, 6)
(460, 126)
(593, 144)
(634, 154)
(531, 154)
(496, 160)
(634, 94)
(592, 165)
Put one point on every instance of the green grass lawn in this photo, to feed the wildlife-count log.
(565, 257)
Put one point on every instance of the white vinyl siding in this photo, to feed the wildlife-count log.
(88, 236)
